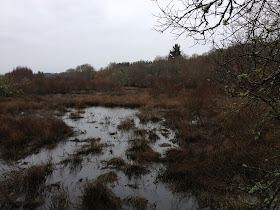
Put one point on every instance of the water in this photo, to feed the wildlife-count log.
(100, 122)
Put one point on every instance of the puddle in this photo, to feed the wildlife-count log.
(100, 122)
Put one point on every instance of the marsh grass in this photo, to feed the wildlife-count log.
(75, 116)
(60, 200)
(134, 170)
(165, 145)
(136, 203)
(107, 178)
(74, 161)
(64, 101)
(116, 162)
(209, 162)
(140, 151)
(152, 136)
(92, 146)
(130, 170)
(22, 188)
(212, 152)
(149, 116)
(23, 135)
(139, 132)
(97, 195)
(126, 124)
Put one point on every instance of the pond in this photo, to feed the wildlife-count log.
(103, 125)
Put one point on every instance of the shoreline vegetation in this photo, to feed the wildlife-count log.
(219, 159)
(227, 131)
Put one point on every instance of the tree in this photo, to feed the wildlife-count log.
(19, 73)
(201, 18)
(245, 35)
(85, 71)
(175, 52)
(250, 27)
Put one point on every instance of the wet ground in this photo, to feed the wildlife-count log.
(100, 122)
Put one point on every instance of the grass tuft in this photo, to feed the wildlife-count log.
(98, 196)
(126, 124)
(21, 188)
(140, 151)
(21, 136)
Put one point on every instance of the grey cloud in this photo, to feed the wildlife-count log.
(52, 35)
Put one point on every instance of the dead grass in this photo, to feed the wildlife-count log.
(140, 151)
(116, 162)
(25, 184)
(137, 203)
(75, 116)
(107, 178)
(126, 124)
(22, 135)
(74, 161)
(98, 196)
(60, 200)
(134, 170)
(128, 169)
(139, 132)
(165, 145)
(149, 115)
(152, 136)
(213, 151)
(93, 146)
(62, 102)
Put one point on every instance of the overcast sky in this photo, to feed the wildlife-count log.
(55, 35)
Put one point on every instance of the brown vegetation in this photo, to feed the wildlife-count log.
(140, 151)
(128, 169)
(228, 148)
(116, 162)
(134, 170)
(214, 151)
(60, 200)
(137, 203)
(93, 146)
(126, 124)
(96, 194)
(107, 178)
(25, 184)
(148, 115)
(21, 135)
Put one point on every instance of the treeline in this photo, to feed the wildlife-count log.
(163, 75)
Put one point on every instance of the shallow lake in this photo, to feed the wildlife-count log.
(100, 122)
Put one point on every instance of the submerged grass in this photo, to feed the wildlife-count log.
(92, 146)
(134, 170)
(126, 124)
(128, 169)
(136, 203)
(60, 200)
(75, 116)
(116, 162)
(22, 188)
(107, 178)
(140, 151)
(97, 195)
(214, 146)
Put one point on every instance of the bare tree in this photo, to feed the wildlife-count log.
(201, 19)
(251, 67)
(245, 34)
